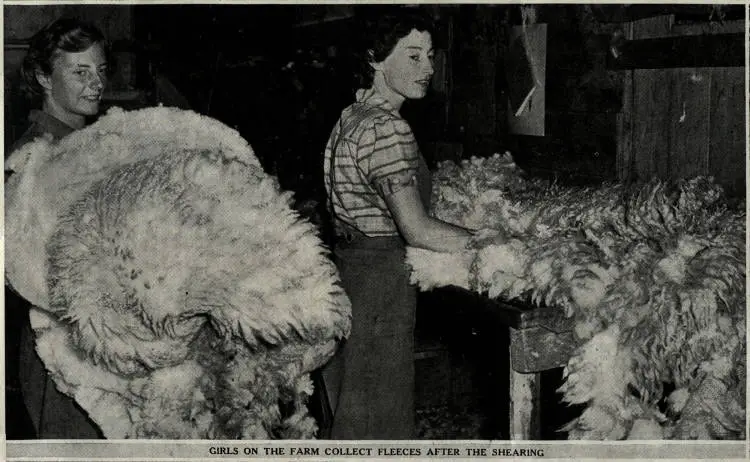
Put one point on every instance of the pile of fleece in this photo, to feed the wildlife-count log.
(653, 276)
(177, 293)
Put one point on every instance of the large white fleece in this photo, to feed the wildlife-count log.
(50, 177)
(165, 266)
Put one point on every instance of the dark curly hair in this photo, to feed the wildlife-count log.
(65, 34)
(383, 30)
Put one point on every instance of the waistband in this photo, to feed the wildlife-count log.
(348, 237)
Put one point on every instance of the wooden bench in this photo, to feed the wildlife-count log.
(541, 338)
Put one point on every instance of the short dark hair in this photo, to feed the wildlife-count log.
(384, 30)
(65, 34)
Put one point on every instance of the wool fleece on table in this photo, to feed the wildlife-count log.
(652, 275)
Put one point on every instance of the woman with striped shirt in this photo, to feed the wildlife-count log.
(378, 187)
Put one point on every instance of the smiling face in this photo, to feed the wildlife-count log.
(74, 88)
(406, 71)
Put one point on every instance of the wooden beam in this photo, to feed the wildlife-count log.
(727, 124)
(653, 27)
(699, 12)
(517, 314)
(725, 27)
(524, 403)
(625, 123)
(715, 50)
(688, 121)
(537, 349)
(651, 116)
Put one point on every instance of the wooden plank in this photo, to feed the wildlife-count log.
(524, 406)
(648, 100)
(537, 349)
(688, 122)
(624, 125)
(698, 11)
(529, 117)
(651, 118)
(624, 130)
(520, 315)
(622, 13)
(517, 314)
(676, 30)
(727, 122)
(713, 27)
(657, 26)
(687, 51)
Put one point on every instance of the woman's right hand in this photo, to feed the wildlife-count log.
(487, 236)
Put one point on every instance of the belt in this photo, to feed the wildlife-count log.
(348, 237)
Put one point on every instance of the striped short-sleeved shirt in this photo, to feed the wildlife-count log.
(369, 143)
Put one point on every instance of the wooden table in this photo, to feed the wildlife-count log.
(541, 338)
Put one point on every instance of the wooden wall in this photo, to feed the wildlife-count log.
(603, 122)
(478, 106)
(22, 21)
(465, 115)
(685, 121)
(582, 100)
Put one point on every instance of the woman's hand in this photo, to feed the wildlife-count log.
(487, 236)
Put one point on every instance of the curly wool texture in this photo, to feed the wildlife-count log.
(662, 263)
(505, 278)
(433, 269)
(50, 176)
(188, 294)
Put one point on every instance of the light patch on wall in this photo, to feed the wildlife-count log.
(439, 78)
(526, 75)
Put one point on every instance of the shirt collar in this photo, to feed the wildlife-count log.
(56, 127)
(373, 98)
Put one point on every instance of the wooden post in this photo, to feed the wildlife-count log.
(625, 167)
(524, 404)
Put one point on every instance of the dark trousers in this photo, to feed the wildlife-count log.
(370, 381)
(53, 414)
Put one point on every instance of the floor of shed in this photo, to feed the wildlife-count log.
(449, 423)
(470, 420)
